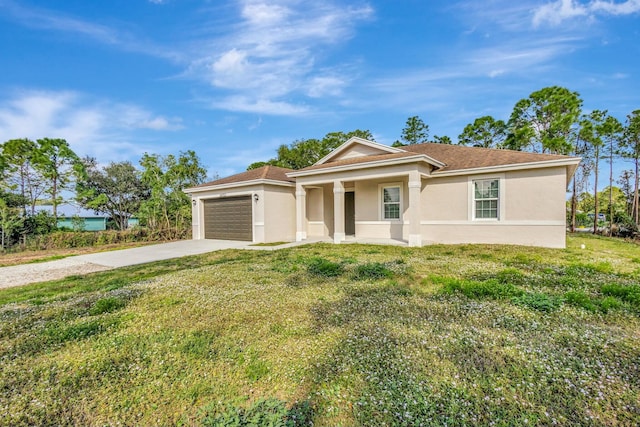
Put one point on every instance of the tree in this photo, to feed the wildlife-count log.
(625, 181)
(10, 220)
(597, 129)
(484, 132)
(305, 152)
(58, 164)
(415, 131)
(168, 208)
(611, 132)
(116, 190)
(630, 148)
(442, 140)
(580, 175)
(545, 121)
(19, 157)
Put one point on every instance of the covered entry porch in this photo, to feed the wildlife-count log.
(384, 206)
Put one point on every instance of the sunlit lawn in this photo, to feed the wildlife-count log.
(333, 335)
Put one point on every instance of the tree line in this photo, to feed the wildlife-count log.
(550, 120)
(48, 172)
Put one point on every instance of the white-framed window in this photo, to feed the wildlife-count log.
(486, 198)
(391, 202)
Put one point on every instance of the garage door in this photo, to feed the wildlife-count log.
(228, 218)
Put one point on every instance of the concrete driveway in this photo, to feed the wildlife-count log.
(82, 264)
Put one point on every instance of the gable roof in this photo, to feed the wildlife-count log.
(267, 173)
(354, 140)
(447, 159)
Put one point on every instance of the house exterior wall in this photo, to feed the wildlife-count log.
(368, 202)
(532, 209)
(358, 150)
(279, 221)
(273, 213)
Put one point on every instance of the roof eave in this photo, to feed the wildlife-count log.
(366, 165)
(261, 181)
(353, 140)
(572, 161)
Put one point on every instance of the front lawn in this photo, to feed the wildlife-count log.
(333, 335)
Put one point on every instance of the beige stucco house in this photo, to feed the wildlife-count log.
(420, 194)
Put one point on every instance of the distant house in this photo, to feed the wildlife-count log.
(69, 212)
(420, 194)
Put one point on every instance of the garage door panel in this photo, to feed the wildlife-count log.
(228, 218)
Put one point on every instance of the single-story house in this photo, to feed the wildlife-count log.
(420, 194)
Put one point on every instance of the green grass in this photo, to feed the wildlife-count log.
(333, 335)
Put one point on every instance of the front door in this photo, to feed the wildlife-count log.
(349, 213)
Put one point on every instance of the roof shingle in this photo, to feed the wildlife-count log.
(269, 172)
(458, 157)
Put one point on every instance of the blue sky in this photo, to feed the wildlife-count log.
(233, 80)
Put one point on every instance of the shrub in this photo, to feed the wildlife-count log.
(324, 268)
(538, 301)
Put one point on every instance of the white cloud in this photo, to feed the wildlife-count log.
(321, 86)
(259, 13)
(247, 104)
(558, 11)
(274, 51)
(99, 128)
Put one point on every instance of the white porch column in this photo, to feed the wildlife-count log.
(338, 212)
(301, 213)
(415, 214)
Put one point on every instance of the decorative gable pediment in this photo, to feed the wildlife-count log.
(357, 147)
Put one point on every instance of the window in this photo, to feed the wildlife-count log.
(391, 202)
(486, 198)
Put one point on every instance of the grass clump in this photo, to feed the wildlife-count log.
(269, 412)
(582, 300)
(627, 293)
(538, 301)
(107, 305)
(372, 271)
(492, 289)
(324, 268)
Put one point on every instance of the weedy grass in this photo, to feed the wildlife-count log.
(333, 335)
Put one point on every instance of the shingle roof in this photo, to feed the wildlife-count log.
(357, 160)
(268, 172)
(455, 157)
(458, 157)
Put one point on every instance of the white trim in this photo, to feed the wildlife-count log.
(509, 167)
(383, 222)
(381, 188)
(259, 224)
(193, 190)
(315, 222)
(471, 211)
(355, 140)
(367, 165)
(339, 237)
(501, 223)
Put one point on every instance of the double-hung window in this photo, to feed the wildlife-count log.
(486, 198)
(391, 202)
